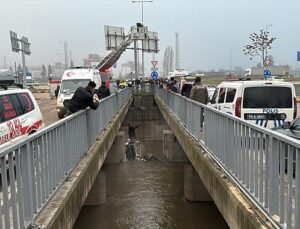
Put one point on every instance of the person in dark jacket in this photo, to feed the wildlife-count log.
(200, 94)
(103, 91)
(131, 131)
(82, 98)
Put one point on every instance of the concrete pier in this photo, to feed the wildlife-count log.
(171, 147)
(117, 150)
(194, 190)
(97, 194)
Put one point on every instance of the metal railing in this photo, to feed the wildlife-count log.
(265, 165)
(33, 169)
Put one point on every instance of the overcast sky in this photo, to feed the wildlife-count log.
(207, 29)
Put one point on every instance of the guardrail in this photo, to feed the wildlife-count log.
(265, 165)
(32, 170)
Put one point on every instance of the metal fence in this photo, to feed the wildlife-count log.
(32, 170)
(265, 165)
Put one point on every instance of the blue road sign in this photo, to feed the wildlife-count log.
(298, 56)
(267, 73)
(154, 75)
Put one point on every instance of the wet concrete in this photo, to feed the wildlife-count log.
(148, 194)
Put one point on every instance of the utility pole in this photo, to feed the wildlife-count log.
(66, 53)
(177, 63)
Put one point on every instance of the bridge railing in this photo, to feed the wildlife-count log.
(264, 164)
(33, 169)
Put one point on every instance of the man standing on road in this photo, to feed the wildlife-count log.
(199, 93)
(83, 98)
(103, 91)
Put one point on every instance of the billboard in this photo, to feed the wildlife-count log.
(14, 42)
(150, 44)
(114, 37)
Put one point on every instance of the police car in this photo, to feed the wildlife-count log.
(264, 103)
(20, 115)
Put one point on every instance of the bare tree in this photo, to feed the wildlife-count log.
(168, 61)
(260, 43)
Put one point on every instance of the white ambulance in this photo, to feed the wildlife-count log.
(20, 115)
(71, 80)
(264, 103)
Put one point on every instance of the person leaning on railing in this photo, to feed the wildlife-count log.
(83, 98)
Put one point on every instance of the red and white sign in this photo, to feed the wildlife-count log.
(154, 63)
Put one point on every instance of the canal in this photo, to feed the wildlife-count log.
(148, 194)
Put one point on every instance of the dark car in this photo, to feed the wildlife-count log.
(291, 129)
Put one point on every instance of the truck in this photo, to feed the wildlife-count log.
(275, 71)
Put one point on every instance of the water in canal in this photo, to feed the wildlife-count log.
(148, 194)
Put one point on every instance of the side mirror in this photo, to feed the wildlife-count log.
(286, 125)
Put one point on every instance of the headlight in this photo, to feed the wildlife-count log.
(59, 100)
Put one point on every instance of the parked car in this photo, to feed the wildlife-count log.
(20, 115)
(291, 129)
(264, 103)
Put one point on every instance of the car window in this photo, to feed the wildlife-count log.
(222, 95)
(213, 100)
(17, 104)
(26, 102)
(7, 108)
(268, 97)
(230, 95)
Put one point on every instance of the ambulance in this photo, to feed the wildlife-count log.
(20, 115)
(71, 80)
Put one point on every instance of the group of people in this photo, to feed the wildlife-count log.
(198, 92)
(88, 96)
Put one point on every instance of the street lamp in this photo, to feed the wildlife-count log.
(142, 1)
(267, 47)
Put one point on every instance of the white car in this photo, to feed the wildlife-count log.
(265, 103)
(20, 115)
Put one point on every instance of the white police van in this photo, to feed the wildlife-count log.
(264, 103)
(71, 80)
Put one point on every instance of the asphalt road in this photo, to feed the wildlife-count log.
(48, 107)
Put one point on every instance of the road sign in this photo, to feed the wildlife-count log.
(154, 63)
(267, 73)
(154, 69)
(267, 61)
(298, 56)
(154, 75)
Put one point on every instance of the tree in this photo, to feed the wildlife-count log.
(44, 72)
(168, 61)
(50, 72)
(20, 69)
(260, 43)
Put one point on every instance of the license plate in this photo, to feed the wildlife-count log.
(278, 116)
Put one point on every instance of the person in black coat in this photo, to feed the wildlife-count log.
(103, 91)
(131, 131)
(82, 98)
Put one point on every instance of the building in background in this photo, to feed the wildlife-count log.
(92, 60)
